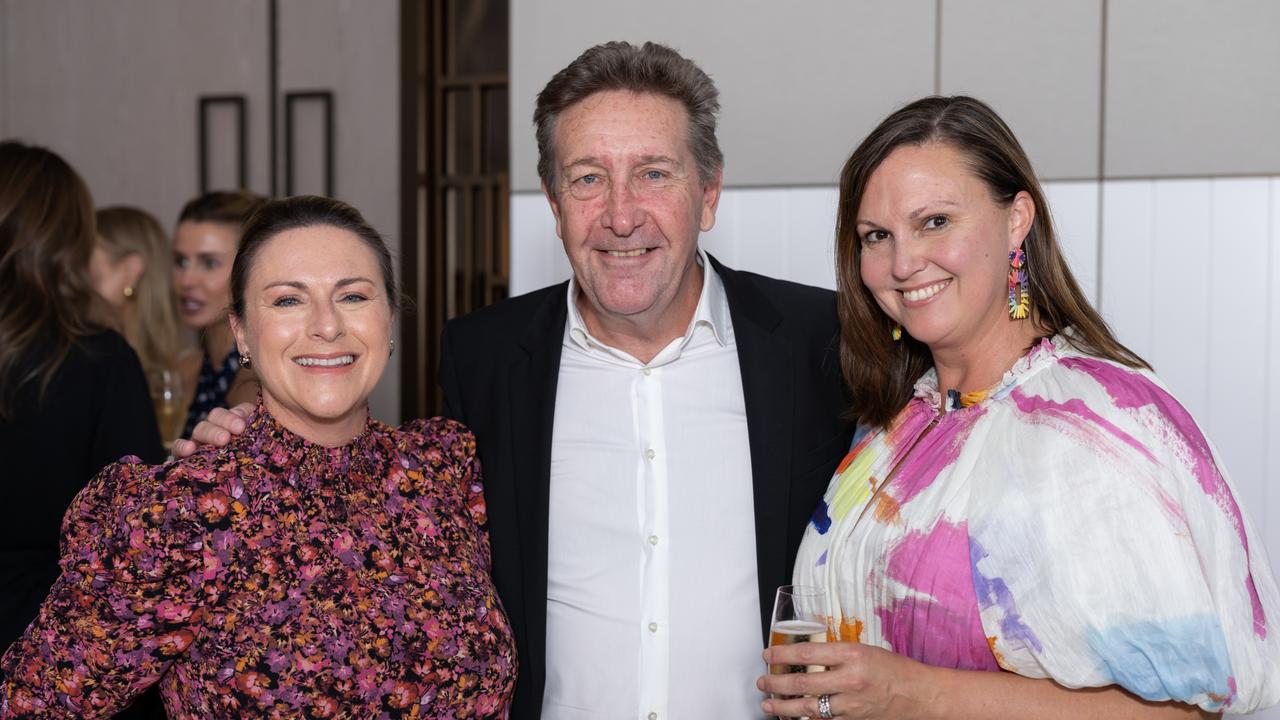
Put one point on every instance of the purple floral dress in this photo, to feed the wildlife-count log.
(276, 578)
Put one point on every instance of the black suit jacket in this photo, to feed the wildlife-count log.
(499, 369)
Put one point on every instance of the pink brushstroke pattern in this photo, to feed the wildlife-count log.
(1131, 390)
(938, 623)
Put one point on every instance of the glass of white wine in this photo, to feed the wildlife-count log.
(169, 399)
(799, 615)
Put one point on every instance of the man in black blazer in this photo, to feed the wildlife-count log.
(609, 180)
(632, 170)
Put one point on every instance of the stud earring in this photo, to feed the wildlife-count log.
(246, 360)
(128, 291)
(1019, 287)
(896, 334)
(392, 350)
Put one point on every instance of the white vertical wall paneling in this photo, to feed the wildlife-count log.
(1125, 282)
(537, 256)
(1074, 206)
(1181, 237)
(722, 240)
(1271, 384)
(811, 235)
(1237, 279)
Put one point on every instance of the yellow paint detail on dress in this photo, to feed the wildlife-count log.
(855, 485)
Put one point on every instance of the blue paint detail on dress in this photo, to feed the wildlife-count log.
(1173, 659)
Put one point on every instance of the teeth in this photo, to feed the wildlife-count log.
(629, 253)
(325, 362)
(924, 293)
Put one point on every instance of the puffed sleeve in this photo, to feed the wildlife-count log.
(128, 601)
(1107, 546)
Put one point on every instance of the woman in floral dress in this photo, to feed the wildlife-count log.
(322, 565)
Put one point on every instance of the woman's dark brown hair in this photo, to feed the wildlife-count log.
(46, 237)
(301, 211)
(881, 373)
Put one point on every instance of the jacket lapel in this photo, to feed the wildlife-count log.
(534, 375)
(768, 374)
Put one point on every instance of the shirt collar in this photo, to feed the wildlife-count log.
(712, 312)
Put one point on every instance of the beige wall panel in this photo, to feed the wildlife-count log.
(1038, 63)
(1193, 87)
(351, 48)
(800, 83)
(113, 85)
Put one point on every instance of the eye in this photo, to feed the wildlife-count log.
(210, 263)
(588, 179)
(285, 301)
(179, 262)
(653, 175)
(874, 236)
(353, 297)
(936, 221)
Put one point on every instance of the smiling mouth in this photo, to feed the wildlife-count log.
(325, 362)
(924, 293)
(627, 253)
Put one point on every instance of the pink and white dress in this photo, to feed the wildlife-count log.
(1071, 523)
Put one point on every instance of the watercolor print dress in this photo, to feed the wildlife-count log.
(1071, 523)
(276, 578)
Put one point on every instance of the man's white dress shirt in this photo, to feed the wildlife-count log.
(653, 609)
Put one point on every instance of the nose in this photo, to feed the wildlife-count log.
(623, 212)
(182, 277)
(326, 322)
(908, 259)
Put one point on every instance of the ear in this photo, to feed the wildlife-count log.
(237, 329)
(133, 266)
(1022, 214)
(710, 201)
(554, 202)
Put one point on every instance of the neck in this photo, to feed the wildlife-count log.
(981, 363)
(217, 341)
(129, 323)
(644, 335)
(326, 432)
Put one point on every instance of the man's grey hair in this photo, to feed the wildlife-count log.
(650, 68)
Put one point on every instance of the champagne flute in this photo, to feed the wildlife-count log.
(170, 401)
(799, 615)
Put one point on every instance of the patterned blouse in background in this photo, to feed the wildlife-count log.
(211, 389)
(1072, 523)
(276, 578)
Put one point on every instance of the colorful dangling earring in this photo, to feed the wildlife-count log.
(896, 334)
(1019, 288)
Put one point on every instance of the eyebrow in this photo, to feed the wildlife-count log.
(303, 286)
(642, 160)
(915, 214)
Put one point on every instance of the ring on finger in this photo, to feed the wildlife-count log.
(824, 707)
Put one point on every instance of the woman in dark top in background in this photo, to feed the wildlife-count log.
(204, 244)
(72, 394)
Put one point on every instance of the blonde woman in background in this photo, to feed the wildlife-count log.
(130, 270)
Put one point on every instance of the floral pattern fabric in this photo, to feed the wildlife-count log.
(1071, 523)
(276, 578)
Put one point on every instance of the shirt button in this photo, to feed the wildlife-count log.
(653, 627)
(645, 372)
(653, 716)
(650, 453)
(653, 539)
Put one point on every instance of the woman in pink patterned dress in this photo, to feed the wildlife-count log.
(322, 565)
(1029, 524)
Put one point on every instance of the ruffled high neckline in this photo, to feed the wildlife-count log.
(1039, 356)
(305, 462)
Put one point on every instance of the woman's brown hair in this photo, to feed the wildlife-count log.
(46, 237)
(881, 372)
